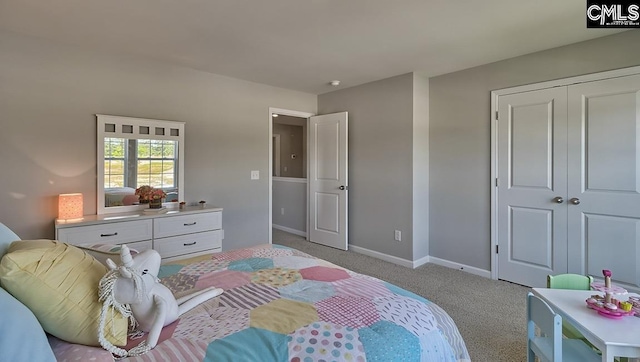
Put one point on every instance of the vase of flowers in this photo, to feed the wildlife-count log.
(143, 193)
(149, 195)
(155, 198)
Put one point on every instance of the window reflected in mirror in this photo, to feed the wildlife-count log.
(131, 163)
(135, 152)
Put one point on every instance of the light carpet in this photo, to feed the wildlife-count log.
(490, 314)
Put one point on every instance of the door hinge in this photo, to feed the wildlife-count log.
(497, 182)
(497, 249)
(496, 115)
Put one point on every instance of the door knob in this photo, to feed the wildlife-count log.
(575, 201)
(343, 187)
(558, 199)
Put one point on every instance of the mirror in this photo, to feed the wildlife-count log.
(134, 152)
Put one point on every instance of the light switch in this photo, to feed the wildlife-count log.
(255, 175)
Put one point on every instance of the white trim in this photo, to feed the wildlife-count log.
(494, 188)
(465, 268)
(422, 261)
(276, 169)
(136, 123)
(286, 112)
(390, 258)
(289, 230)
(291, 179)
(494, 140)
(568, 81)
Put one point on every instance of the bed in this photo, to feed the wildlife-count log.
(120, 196)
(280, 304)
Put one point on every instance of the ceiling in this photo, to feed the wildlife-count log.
(304, 44)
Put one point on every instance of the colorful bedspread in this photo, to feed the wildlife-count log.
(281, 304)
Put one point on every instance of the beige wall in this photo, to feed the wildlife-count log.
(460, 136)
(290, 204)
(380, 162)
(49, 94)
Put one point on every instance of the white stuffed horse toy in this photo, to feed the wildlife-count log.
(135, 291)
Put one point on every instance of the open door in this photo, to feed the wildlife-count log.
(328, 183)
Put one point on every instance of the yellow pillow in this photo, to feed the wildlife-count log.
(102, 252)
(59, 283)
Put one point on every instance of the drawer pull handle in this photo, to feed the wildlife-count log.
(190, 224)
(105, 235)
(189, 244)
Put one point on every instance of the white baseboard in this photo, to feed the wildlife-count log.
(465, 268)
(382, 256)
(289, 230)
(422, 261)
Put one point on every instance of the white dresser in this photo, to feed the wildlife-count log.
(177, 234)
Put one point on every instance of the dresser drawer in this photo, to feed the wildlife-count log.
(185, 224)
(187, 244)
(108, 233)
(140, 246)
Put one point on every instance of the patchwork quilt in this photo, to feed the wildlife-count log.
(281, 304)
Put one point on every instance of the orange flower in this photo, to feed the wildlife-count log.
(146, 192)
(157, 194)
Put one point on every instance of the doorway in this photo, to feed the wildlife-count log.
(290, 192)
(289, 174)
(326, 169)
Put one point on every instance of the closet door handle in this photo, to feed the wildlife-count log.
(575, 201)
(558, 199)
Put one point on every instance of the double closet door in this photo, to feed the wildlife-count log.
(568, 182)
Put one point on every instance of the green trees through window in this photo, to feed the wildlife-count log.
(132, 163)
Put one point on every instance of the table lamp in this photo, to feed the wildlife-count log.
(70, 206)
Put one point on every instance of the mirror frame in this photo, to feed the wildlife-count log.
(157, 130)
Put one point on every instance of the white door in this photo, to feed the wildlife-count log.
(328, 183)
(532, 180)
(568, 198)
(604, 179)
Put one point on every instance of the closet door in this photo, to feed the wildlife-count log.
(532, 174)
(604, 178)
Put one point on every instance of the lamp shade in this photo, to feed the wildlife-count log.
(70, 206)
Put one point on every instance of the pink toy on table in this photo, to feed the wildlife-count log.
(607, 306)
